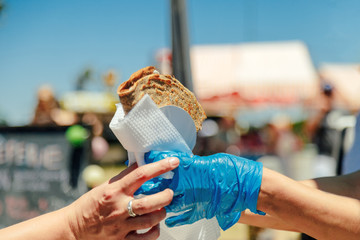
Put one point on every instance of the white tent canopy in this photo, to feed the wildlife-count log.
(265, 70)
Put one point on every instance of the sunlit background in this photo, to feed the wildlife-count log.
(261, 69)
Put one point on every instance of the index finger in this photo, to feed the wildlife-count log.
(132, 181)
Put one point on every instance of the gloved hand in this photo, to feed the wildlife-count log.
(220, 185)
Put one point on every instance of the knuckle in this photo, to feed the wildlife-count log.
(108, 195)
(165, 166)
(140, 173)
(141, 206)
(162, 165)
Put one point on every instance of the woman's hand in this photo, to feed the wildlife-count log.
(103, 212)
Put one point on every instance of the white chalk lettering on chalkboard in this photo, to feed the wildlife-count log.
(20, 153)
(28, 180)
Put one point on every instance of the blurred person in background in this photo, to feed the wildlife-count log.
(108, 211)
(226, 139)
(46, 104)
(48, 111)
(286, 143)
(269, 136)
(320, 130)
(318, 127)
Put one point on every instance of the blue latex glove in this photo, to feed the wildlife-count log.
(220, 185)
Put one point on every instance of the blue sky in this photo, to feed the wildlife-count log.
(52, 42)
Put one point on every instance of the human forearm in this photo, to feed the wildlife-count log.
(267, 221)
(317, 213)
(334, 185)
(344, 185)
(54, 225)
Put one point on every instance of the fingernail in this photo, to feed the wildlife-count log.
(174, 161)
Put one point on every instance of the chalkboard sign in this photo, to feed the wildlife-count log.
(39, 172)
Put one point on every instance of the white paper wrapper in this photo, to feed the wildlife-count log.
(145, 128)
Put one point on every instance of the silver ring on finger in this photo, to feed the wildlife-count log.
(130, 210)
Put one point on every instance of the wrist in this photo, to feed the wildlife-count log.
(253, 183)
(248, 174)
(72, 221)
(81, 217)
(273, 191)
(238, 182)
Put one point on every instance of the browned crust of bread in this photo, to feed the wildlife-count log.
(163, 89)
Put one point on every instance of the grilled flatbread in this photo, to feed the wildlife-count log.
(163, 89)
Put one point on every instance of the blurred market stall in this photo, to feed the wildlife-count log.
(239, 77)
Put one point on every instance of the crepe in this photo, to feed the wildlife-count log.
(164, 90)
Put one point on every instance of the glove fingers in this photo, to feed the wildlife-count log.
(153, 186)
(178, 204)
(182, 219)
(226, 221)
